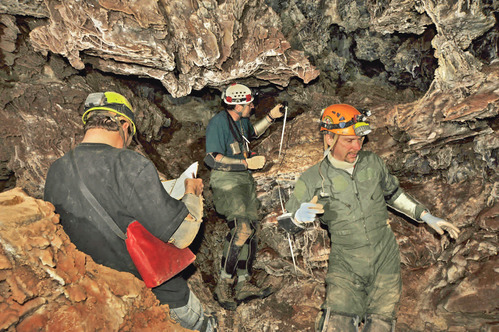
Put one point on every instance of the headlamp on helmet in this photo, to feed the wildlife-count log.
(343, 119)
(110, 102)
(237, 94)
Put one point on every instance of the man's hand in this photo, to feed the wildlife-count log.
(194, 186)
(276, 113)
(308, 211)
(440, 225)
(256, 162)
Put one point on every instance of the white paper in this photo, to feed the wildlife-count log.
(176, 187)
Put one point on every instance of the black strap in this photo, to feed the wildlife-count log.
(390, 195)
(340, 125)
(93, 201)
(233, 128)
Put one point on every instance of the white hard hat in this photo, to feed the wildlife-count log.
(237, 94)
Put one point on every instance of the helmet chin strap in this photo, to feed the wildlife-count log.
(126, 142)
(327, 149)
(326, 152)
(129, 140)
(122, 135)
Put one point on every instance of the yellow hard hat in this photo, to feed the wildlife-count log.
(111, 102)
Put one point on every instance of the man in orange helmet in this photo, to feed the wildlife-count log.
(350, 190)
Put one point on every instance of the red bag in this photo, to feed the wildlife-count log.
(156, 261)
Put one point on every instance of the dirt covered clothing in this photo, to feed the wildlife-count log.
(225, 136)
(364, 264)
(234, 192)
(127, 186)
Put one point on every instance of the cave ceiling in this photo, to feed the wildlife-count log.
(185, 45)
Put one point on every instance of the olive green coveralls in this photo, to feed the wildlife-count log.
(363, 278)
(234, 196)
(234, 193)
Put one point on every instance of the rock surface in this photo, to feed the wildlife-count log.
(48, 285)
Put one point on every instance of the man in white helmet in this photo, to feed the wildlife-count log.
(228, 155)
(128, 188)
(349, 189)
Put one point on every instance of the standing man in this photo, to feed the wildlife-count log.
(228, 155)
(353, 188)
(128, 187)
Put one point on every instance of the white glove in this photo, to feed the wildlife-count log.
(256, 162)
(439, 225)
(307, 211)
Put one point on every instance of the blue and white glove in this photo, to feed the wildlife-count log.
(308, 211)
(439, 225)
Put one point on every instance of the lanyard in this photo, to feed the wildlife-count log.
(238, 134)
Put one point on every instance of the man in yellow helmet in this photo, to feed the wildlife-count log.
(127, 186)
(350, 189)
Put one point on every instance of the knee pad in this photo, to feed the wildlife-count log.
(375, 323)
(243, 232)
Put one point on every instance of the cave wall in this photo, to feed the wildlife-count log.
(427, 70)
(369, 42)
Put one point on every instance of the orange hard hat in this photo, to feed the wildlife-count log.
(343, 119)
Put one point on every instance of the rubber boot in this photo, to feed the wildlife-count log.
(223, 293)
(210, 323)
(246, 291)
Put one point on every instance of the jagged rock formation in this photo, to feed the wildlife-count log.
(428, 70)
(48, 285)
(185, 45)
